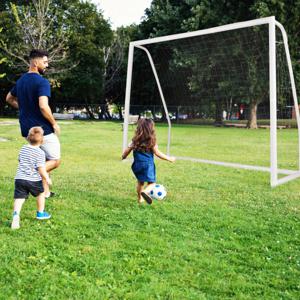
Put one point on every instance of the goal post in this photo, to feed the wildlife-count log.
(229, 29)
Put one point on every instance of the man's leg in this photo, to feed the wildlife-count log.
(51, 147)
(50, 165)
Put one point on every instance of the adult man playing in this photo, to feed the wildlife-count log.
(30, 95)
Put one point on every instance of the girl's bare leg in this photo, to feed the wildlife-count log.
(149, 187)
(139, 188)
(146, 191)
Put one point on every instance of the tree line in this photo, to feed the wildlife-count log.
(89, 59)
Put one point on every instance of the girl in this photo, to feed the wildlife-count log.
(144, 146)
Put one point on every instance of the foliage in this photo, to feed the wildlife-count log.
(169, 16)
(116, 67)
(90, 34)
(35, 25)
(91, 61)
(2, 59)
(74, 33)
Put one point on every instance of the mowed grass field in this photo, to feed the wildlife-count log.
(221, 233)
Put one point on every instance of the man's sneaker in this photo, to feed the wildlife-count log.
(50, 195)
(15, 224)
(42, 215)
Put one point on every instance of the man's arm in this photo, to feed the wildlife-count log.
(47, 113)
(12, 100)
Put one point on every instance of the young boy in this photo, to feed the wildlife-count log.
(30, 175)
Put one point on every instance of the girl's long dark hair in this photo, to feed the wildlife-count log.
(144, 138)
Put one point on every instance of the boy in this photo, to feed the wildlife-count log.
(30, 175)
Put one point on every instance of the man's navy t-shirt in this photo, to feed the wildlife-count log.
(28, 89)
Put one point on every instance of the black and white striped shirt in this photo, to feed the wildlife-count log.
(30, 159)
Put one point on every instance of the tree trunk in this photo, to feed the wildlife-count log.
(89, 112)
(120, 112)
(218, 116)
(252, 121)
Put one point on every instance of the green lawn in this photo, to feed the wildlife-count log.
(221, 233)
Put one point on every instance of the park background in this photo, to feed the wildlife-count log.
(88, 59)
(221, 233)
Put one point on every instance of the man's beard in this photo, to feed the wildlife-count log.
(42, 71)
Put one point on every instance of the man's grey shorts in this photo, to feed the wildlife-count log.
(51, 146)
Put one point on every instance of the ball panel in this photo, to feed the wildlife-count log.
(158, 192)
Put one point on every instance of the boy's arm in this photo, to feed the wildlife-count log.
(126, 152)
(44, 174)
(12, 100)
(163, 156)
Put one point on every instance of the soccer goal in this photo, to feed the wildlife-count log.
(236, 75)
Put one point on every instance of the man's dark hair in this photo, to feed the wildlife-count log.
(38, 53)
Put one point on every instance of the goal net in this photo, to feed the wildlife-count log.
(234, 76)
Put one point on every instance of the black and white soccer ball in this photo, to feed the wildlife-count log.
(158, 192)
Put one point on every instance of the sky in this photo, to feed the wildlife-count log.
(122, 12)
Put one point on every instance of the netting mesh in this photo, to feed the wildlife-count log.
(220, 77)
(214, 76)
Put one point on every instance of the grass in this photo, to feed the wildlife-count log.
(220, 234)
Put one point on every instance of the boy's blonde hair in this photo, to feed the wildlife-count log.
(35, 135)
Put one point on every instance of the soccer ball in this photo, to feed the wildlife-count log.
(158, 192)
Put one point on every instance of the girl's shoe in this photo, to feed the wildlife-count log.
(146, 197)
(42, 215)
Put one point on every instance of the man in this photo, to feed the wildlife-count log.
(30, 95)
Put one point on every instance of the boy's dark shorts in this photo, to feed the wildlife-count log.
(24, 187)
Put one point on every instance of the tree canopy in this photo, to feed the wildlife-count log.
(89, 59)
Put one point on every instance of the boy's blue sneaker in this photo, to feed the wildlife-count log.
(42, 215)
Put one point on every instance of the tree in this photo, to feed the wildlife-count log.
(2, 59)
(37, 25)
(116, 66)
(89, 36)
(74, 33)
(171, 16)
(214, 13)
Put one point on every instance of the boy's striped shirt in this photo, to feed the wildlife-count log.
(30, 159)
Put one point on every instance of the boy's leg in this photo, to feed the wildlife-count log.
(139, 188)
(18, 205)
(15, 224)
(40, 202)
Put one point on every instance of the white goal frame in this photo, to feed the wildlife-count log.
(272, 23)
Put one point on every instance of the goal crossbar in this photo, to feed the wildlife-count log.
(217, 29)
